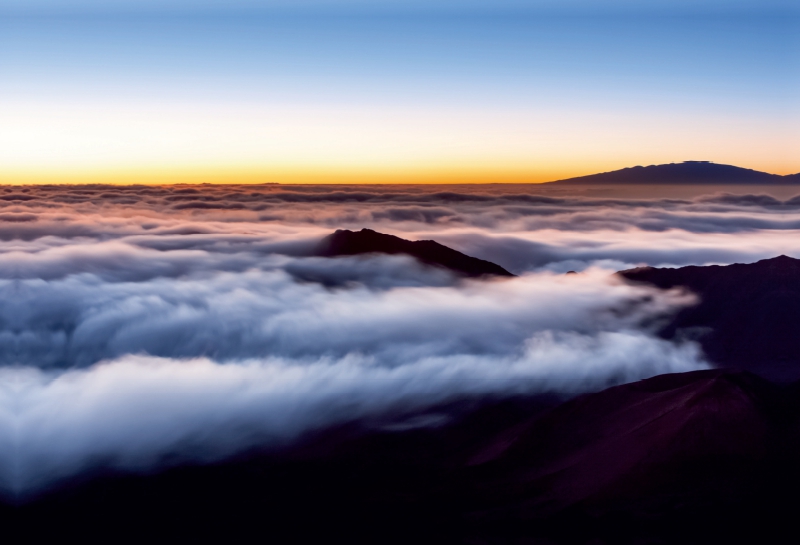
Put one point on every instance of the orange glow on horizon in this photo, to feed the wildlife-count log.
(475, 174)
(216, 175)
(286, 176)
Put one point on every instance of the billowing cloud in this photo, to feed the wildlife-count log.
(140, 324)
(131, 375)
(136, 412)
(82, 319)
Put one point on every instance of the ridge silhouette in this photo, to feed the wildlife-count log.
(747, 316)
(688, 172)
(346, 243)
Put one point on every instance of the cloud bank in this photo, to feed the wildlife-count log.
(141, 326)
(133, 375)
(82, 320)
(137, 413)
(522, 228)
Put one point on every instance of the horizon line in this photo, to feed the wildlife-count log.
(300, 176)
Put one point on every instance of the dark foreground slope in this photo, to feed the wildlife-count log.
(748, 315)
(344, 243)
(688, 172)
(704, 457)
(655, 458)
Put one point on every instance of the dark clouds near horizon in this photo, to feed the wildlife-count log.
(135, 320)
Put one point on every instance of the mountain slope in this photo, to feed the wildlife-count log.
(794, 178)
(631, 440)
(748, 316)
(345, 243)
(689, 458)
(688, 172)
(685, 458)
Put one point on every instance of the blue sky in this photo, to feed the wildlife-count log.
(540, 87)
(580, 6)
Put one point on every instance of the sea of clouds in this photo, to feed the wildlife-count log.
(144, 324)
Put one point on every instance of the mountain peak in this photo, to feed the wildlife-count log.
(687, 172)
(344, 242)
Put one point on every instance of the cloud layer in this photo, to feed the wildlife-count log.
(53, 230)
(137, 413)
(140, 324)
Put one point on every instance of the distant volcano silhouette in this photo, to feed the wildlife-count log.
(688, 172)
(748, 316)
(344, 242)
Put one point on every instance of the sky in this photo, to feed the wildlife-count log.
(438, 91)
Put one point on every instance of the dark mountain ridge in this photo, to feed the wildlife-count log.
(747, 316)
(346, 243)
(688, 172)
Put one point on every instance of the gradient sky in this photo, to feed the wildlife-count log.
(402, 91)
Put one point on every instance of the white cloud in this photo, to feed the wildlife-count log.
(136, 412)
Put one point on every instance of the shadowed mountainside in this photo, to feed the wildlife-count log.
(344, 243)
(748, 315)
(664, 449)
(689, 458)
(688, 172)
